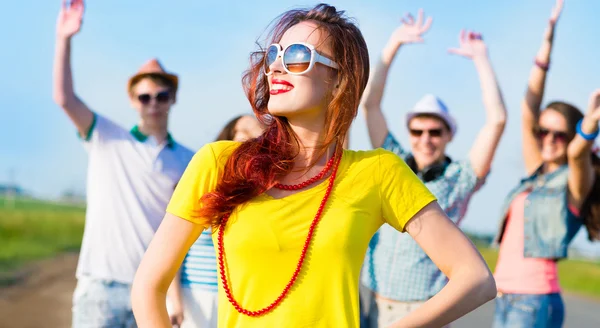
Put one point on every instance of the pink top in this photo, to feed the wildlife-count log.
(515, 273)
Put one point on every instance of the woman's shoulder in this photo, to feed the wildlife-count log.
(214, 153)
(223, 147)
(378, 156)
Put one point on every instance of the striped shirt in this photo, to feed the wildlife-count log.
(395, 266)
(199, 268)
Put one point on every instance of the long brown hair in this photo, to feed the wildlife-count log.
(258, 164)
(590, 209)
(228, 131)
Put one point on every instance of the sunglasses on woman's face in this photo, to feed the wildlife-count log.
(434, 133)
(297, 58)
(559, 136)
(162, 97)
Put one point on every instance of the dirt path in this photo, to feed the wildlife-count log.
(43, 298)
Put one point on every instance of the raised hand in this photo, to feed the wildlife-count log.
(411, 31)
(70, 18)
(594, 106)
(556, 10)
(471, 45)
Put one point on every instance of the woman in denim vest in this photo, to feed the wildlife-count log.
(546, 210)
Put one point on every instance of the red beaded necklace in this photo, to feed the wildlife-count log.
(311, 230)
(309, 181)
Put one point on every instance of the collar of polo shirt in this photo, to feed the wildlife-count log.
(139, 136)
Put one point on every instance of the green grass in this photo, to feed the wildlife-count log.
(578, 277)
(32, 230)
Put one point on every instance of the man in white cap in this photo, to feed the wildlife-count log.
(397, 276)
(131, 177)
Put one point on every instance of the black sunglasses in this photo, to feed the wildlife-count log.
(161, 97)
(559, 136)
(432, 132)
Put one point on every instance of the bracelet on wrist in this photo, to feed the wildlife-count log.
(587, 136)
(543, 66)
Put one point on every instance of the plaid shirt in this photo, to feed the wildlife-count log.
(395, 266)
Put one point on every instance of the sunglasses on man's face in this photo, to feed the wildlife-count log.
(162, 97)
(297, 58)
(559, 136)
(435, 133)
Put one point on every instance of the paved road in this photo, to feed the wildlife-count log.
(581, 313)
(44, 300)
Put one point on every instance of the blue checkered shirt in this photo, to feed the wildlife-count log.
(395, 266)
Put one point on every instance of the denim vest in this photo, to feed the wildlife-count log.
(549, 224)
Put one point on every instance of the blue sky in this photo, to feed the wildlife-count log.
(207, 44)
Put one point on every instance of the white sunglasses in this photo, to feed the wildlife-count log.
(297, 58)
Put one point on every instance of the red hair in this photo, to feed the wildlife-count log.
(258, 164)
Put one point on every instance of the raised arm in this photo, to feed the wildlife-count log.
(470, 284)
(67, 25)
(158, 268)
(530, 107)
(409, 32)
(581, 170)
(483, 149)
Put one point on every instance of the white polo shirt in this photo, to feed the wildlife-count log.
(130, 180)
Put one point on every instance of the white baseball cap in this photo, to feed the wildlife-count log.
(432, 105)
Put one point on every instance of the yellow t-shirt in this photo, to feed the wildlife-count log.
(264, 238)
